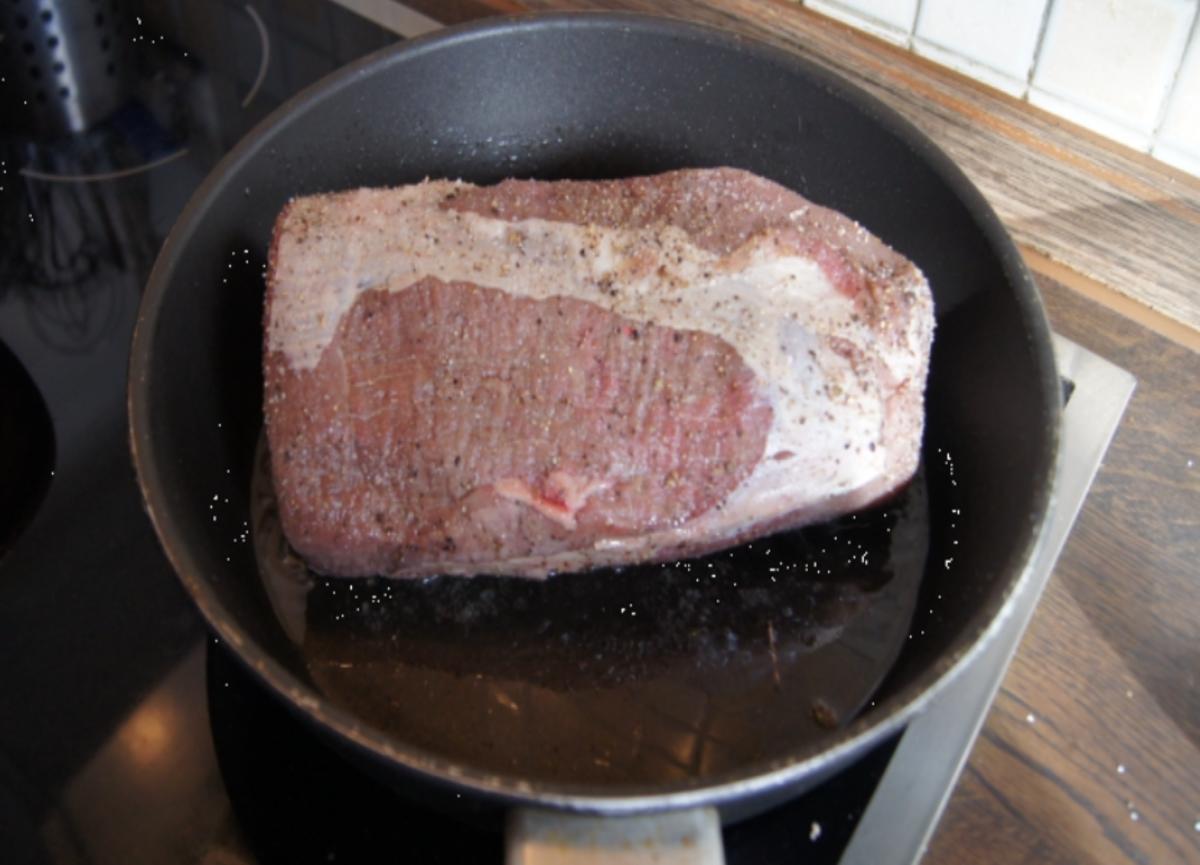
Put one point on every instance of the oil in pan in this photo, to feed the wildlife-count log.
(641, 675)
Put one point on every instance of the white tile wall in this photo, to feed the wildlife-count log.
(890, 19)
(1128, 69)
(988, 40)
(970, 66)
(1114, 59)
(1179, 136)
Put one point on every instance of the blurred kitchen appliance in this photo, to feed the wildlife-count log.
(63, 64)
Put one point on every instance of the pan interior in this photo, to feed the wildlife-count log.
(627, 677)
(593, 98)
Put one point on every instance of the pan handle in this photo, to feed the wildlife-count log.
(541, 837)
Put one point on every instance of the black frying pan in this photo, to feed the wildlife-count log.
(749, 675)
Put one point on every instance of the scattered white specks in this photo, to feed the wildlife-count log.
(1190, 463)
(1129, 695)
(1030, 718)
(948, 562)
(814, 831)
(1196, 825)
(1134, 816)
(1120, 768)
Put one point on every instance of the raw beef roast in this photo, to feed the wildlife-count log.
(552, 376)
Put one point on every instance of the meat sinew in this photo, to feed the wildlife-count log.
(553, 376)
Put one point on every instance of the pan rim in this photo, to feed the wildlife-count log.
(751, 779)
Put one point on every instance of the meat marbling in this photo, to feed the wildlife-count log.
(553, 376)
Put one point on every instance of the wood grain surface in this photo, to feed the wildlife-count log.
(1106, 211)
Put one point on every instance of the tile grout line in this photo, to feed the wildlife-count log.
(912, 29)
(1037, 48)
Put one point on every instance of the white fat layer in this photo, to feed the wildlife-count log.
(777, 311)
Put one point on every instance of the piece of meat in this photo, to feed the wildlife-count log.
(552, 376)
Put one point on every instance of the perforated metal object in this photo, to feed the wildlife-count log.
(63, 63)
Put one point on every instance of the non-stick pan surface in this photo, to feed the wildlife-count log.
(730, 680)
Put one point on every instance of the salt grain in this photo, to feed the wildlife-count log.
(1030, 718)
(814, 831)
(1120, 768)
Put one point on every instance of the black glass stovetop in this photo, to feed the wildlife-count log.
(126, 733)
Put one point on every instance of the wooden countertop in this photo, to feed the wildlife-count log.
(1109, 770)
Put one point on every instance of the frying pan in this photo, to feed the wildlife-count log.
(639, 721)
